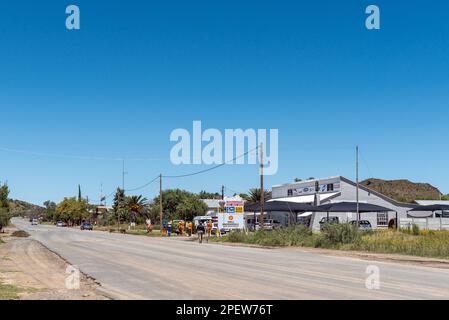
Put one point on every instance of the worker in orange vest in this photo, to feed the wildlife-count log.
(189, 228)
(181, 228)
(209, 228)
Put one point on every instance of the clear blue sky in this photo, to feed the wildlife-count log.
(139, 69)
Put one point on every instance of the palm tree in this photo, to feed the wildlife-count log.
(136, 204)
(254, 195)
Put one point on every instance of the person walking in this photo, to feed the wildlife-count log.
(200, 230)
(169, 226)
(209, 228)
(189, 228)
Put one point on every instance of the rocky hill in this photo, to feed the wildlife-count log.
(18, 207)
(403, 190)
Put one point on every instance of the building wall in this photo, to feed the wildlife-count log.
(304, 187)
(347, 193)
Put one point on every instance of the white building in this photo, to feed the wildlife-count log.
(337, 189)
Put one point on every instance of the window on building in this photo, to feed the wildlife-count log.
(330, 187)
(289, 193)
(382, 219)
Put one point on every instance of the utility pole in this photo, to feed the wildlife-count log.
(123, 189)
(357, 182)
(123, 175)
(222, 192)
(160, 201)
(262, 193)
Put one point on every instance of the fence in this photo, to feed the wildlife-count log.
(425, 223)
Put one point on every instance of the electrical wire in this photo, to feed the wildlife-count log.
(78, 157)
(210, 169)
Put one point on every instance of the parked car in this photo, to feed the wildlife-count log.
(364, 225)
(61, 224)
(34, 222)
(86, 226)
(271, 224)
(331, 220)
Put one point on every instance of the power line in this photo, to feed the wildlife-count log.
(143, 186)
(78, 157)
(366, 164)
(213, 168)
(236, 192)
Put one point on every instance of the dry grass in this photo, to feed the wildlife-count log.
(433, 244)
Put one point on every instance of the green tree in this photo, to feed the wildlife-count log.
(178, 204)
(50, 210)
(121, 211)
(254, 195)
(135, 204)
(4, 206)
(72, 210)
(244, 196)
(209, 195)
(79, 193)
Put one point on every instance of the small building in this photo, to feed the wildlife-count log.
(337, 189)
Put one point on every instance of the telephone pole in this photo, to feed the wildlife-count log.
(222, 192)
(160, 201)
(120, 200)
(262, 193)
(123, 175)
(357, 182)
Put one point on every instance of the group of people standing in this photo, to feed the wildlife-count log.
(186, 228)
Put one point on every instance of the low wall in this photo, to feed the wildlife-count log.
(426, 223)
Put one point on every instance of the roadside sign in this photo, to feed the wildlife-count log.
(232, 217)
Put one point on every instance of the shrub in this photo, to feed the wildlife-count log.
(412, 230)
(237, 236)
(334, 235)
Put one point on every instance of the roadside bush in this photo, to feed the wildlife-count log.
(293, 236)
(237, 236)
(334, 235)
(412, 230)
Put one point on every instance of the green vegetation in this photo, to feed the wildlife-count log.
(72, 210)
(346, 237)
(5, 215)
(254, 195)
(178, 204)
(9, 292)
(403, 190)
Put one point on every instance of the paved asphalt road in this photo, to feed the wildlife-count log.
(133, 267)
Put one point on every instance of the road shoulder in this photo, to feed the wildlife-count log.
(39, 274)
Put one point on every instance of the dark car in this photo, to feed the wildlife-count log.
(331, 220)
(364, 225)
(86, 226)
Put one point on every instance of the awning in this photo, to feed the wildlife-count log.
(427, 211)
(351, 207)
(306, 199)
(432, 208)
(282, 206)
(305, 214)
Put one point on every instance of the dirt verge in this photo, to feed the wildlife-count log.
(38, 273)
